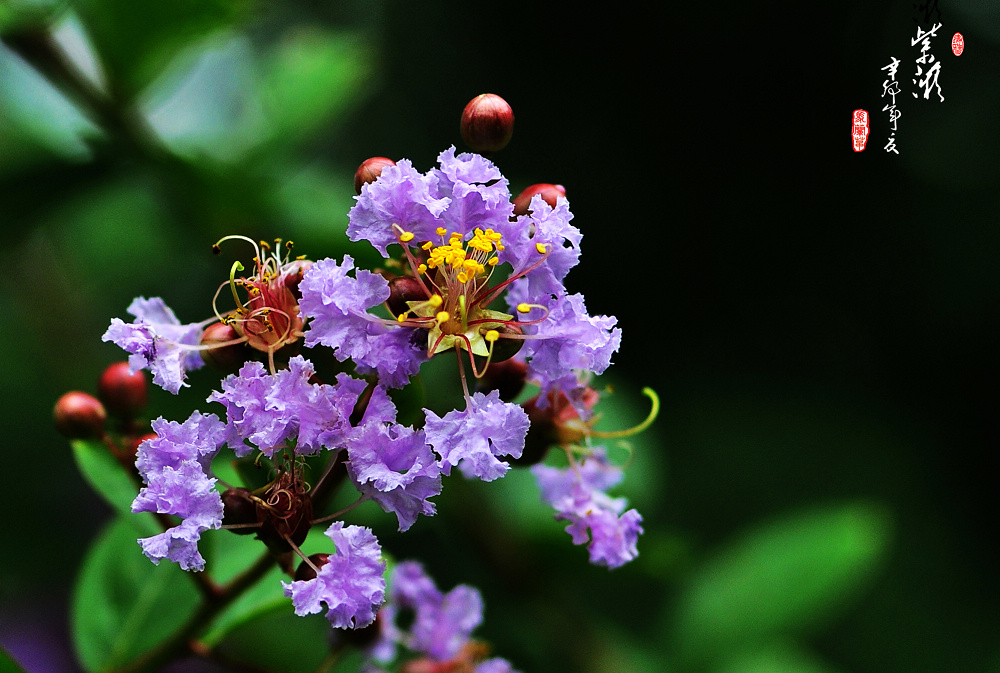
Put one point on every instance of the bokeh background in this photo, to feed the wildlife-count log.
(819, 491)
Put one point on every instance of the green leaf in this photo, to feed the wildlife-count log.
(123, 605)
(7, 663)
(778, 657)
(136, 40)
(227, 555)
(105, 474)
(310, 78)
(781, 578)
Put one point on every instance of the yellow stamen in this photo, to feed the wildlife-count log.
(523, 308)
(435, 300)
(491, 335)
(542, 248)
(442, 317)
(406, 236)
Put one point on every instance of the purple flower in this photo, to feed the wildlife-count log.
(473, 438)
(155, 340)
(478, 194)
(173, 467)
(393, 466)
(442, 622)
(494, 665)
(550, 228)
(351, 583)
(338, 307)
(578, 497)
(400, 196)
(567, 341)
(272, 409)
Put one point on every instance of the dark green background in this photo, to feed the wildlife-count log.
(820, 324)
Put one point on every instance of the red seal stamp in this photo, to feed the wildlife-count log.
(957, 44)
(859, 130)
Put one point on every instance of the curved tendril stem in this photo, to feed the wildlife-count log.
(651, 394)
(237, 266)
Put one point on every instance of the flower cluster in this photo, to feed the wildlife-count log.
(464, 273)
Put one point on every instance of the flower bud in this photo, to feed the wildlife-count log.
(133, 446)
(487, 123)
(239, 508)
(79, 416)
(403, 289)
(228, 358)
(305, 572)
(550, 193)
(124, 394)
(369, 170)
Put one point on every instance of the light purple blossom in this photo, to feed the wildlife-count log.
(393, 466)
(594, 518)
(351, 583)
(338, 307)
(474, 438)
(551, 228)
(477, 191)
(567, 341)
(272, 409)
(495, 665)
(442, 622)
(174, 468)
(401, 196)
(155, 340)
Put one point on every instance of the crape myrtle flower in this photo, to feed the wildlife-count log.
(474, 438)
(156, 341)
(175, 466)
(351, 583)
(267, 320)
(578, 495)
(578, 492)
(393, 466)
(269, 410)
(455, 225)
(440, 629)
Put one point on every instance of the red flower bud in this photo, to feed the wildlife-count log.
(549, 192)
(403, 289)
(239, 510)
(369, 171)
(79, 416)
(124, 394)
(226, 358)
(304, 572)
(487, 123)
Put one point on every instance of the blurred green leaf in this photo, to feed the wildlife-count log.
(136, 40)
(282, 641)
(778, 657)
(123, 605)
(311, 78)
(111, 480)
(227, 555)
(7, 663)
(780, 578)
(40, 112)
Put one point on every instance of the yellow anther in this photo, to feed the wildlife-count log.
(542, 248)
(441, 231)
(492, 261)
(427, 246)
(406, 236)
(491, 335)
(435, 300)
(401, 317)
(463, 277)
(442, 317)
(422, 268)
(523, 308)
